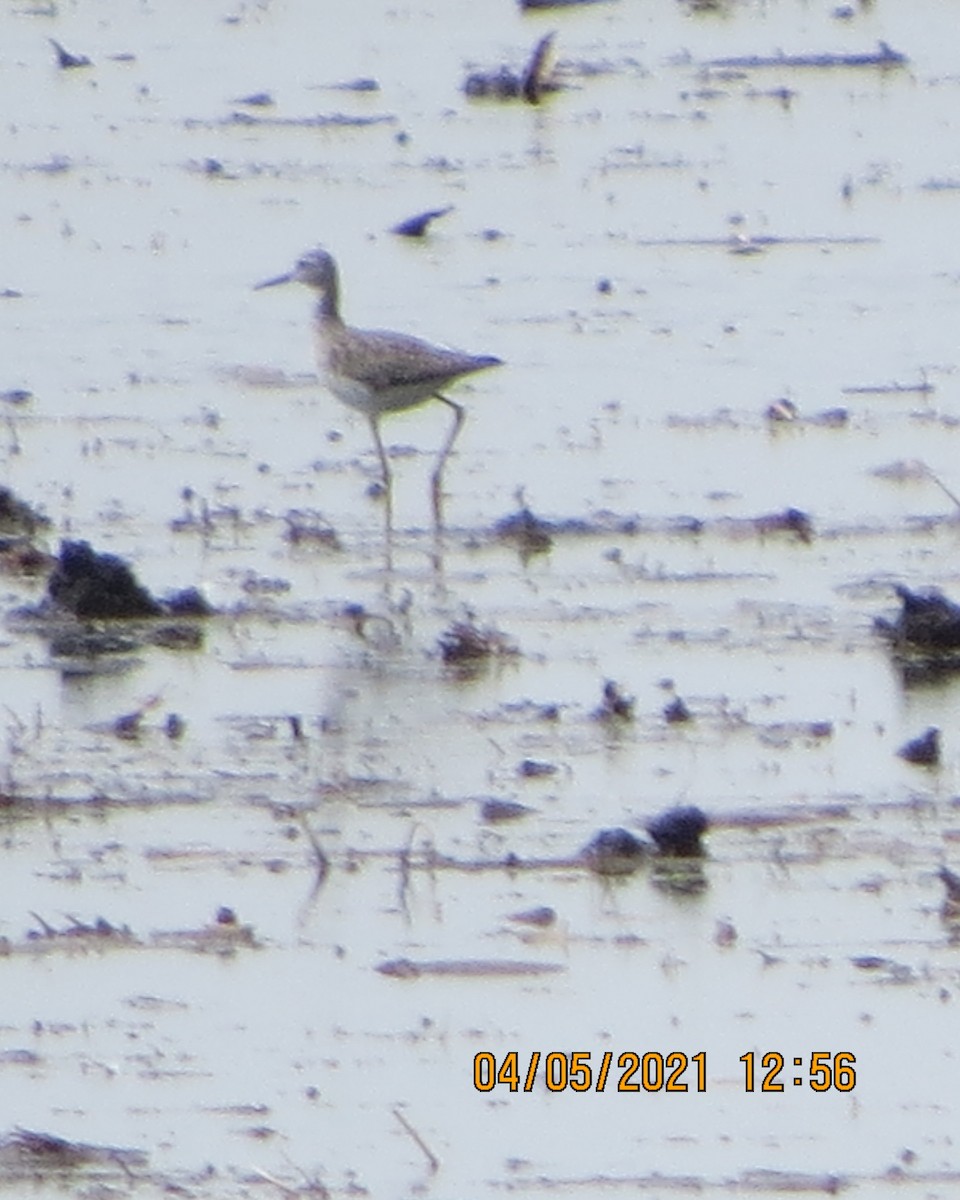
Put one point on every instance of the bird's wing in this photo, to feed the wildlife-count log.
(381, 359)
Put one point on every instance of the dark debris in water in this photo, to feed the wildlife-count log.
(530, 533)
(40, 1153)
(306, 527)
(791, 520)
(417, 226)
(536, 80)
(256, 100)
(67, 61)
(541, 917)
(219, 937)
(466, 644)
(100, 931)
(535, 768)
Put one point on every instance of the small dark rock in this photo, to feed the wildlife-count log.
(92, 585)
(541, 917)
(256, 100)
(128, 726)
(363, 84)
(923, 750)
(724, 932)
(676, 712)
(677, 831)
(615, 852)
(174, 726)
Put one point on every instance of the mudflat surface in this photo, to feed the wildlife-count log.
(255, 949)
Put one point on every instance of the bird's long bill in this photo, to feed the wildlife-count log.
(274, 282)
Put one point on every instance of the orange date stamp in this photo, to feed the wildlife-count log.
(656, 1071)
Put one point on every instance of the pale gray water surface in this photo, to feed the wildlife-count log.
(766, 234)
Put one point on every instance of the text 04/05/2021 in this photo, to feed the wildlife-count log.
(656, 1071)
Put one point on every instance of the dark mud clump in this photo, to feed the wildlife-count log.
(677, 832)
(467, 645)
(94, 586)
(927, 621)
(925, 636)
(615, 852)
(16, 516)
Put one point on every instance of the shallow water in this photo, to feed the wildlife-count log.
(780, 233)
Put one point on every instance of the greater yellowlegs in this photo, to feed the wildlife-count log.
(376, 371)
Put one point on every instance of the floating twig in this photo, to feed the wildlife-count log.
(431, 1158)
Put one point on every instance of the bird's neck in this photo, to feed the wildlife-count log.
(328, 305)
